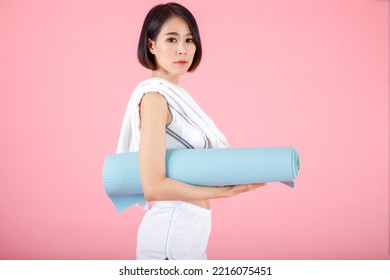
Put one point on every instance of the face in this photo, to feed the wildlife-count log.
(173, 49)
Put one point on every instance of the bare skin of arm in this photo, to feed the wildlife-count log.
(156, 186)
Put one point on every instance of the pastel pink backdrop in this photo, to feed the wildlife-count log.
(309, 74)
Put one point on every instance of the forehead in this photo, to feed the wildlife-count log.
(175, 24)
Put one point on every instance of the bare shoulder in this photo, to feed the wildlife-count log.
(154, 104)
(153, 99)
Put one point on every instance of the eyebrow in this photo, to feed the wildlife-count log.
(177, 34)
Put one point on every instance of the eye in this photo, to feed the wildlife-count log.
(172, 40)
(189, 40)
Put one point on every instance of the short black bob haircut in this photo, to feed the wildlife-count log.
(154, 20)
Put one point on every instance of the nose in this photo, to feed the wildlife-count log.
(181, 49)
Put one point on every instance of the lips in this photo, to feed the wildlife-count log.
(181, 62)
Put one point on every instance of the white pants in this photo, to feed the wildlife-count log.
(176, 230)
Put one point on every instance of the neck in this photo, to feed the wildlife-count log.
(172, 78)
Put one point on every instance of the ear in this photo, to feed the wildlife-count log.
(151, 45)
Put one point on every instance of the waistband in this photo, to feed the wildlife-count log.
(183, 205)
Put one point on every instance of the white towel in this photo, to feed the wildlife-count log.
(179, 99)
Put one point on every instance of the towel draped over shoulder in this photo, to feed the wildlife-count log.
(179, 99)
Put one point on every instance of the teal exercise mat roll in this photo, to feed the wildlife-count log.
(201, 167)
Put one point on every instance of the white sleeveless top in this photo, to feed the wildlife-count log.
(182, 134)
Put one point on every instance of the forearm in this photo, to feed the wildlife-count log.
(170, 189)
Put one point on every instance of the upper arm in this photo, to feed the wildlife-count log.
(154, 115)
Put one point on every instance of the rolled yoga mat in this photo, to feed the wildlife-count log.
(201, 167)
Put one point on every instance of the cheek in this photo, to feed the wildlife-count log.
(167, 48)
(192, 48)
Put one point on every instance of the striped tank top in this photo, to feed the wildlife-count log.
(182, 134)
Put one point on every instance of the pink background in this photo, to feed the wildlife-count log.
(308, 74)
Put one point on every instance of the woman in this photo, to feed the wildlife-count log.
(161, 115)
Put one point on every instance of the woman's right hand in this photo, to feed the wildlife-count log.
(229, 191)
